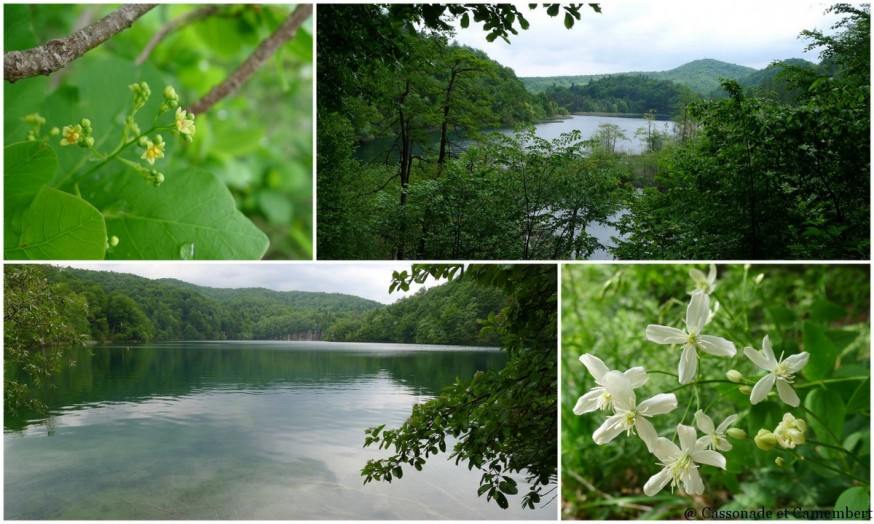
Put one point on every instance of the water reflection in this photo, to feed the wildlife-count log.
(219, 431)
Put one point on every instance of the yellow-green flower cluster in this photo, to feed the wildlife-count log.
(154, 150)
(141, 92)
(185, 124)
(171, 99)
(78, 134)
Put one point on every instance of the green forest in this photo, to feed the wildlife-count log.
(781, 154)
(120, 307)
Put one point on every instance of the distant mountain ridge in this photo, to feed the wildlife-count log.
(702, 76)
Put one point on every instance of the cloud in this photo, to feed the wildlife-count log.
(656, 36)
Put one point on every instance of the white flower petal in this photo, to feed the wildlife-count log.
(692, 482)
(687, 436)
(794, 363)
(665, 450)
(767, 350)
(657, 482)
(688, 364)
(645, 431)
(711, 275)
(658, 405)
(729, 420)
(595, 366)
(697, 313)
(665, 334)
(722, 444)
(711, 458)
(761, 361)
(636, 376)
(704, 422)
(762, 388)
(620, 389)
(716, 346)
(588, 402)
(611, 427)
(787, 394)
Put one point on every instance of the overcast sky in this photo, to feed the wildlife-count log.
(367, 280)
(656, 36)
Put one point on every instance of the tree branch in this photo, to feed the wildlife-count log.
(56, 54)
(175, 25)
(285, 32)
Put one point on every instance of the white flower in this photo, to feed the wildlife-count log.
(790, 432)
(629, 414)
(703, 284)
(714, 437)
(599, 398)
(681, 463)
(782, 372)
(697, 315)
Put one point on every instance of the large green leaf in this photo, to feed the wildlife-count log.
(28, 166)
(192, 215)
(823, 352)
(855, 499)
(829, 411)
(60, 226)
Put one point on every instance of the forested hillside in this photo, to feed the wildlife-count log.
(702, 76)
(623, 94)
(122, 307)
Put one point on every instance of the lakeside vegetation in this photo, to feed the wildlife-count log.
(781, 154)
(117, 307)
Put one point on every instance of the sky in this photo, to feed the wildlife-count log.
(656, 36)
(366, 280)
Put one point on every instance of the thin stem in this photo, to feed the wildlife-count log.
(828, 381)
(826, 466)
(839, 448)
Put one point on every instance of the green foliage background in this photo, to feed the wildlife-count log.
(823, 310)
(257, 143)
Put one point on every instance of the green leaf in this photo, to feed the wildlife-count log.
(192, 215)
(508, 488)
(860, 402)
(28, 166)
(60, 226)
(855, 499)
(826, 311)
(823, 352)
(568, 20)
(552, 10)
(465, 21)
(501, 500)
(828, 424)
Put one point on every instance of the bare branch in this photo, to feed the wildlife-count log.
(174, 25)
(265, 50)
(56, 54)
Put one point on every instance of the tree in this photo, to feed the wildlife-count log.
(501, 420)
(40, 320)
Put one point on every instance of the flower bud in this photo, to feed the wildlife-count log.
(765, 440)
(736, 433)
(88, 142)
(745, 390)
(85, 123)
(55, 131)
(143, 141)
(759, 278)
(734, 376)
(170, 93)
(113, 241)
(790, 431)
(779, 461)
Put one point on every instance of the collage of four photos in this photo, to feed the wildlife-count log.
(400, 261)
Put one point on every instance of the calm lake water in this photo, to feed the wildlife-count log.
(236, 430)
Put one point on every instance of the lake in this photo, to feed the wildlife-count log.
(238, 430)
